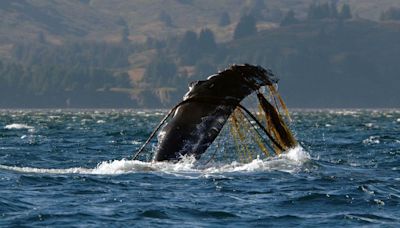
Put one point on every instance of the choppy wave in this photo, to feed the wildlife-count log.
(351, 179)
(371, 140)
(17, 126)
(288, 162)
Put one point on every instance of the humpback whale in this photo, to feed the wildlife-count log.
(197, 120)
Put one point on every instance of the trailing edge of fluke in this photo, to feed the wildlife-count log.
(193, 124)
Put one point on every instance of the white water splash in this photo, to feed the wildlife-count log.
(297, 154)
(371, 140)
(46, 171)
(288, 162)
(369, 125)
(17, 126)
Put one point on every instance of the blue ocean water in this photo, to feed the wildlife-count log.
(74, 168)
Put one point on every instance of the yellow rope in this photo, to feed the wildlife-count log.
(234, 133)
(284, 107)
(254, 135)
(288, 140)
(260, 144)
(241, 130)
(271, 118)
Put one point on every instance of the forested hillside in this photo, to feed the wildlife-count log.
(97, 53)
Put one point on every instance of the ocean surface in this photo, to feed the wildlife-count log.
(73, 168)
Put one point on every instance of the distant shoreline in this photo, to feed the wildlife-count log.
(167, 109)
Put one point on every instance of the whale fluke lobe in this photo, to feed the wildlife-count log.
(195, 122)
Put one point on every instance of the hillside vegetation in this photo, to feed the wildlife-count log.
(98, 53)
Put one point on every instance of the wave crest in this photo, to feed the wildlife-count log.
(17, 126)
(288, 162)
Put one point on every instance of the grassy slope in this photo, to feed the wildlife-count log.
(97, 19)
(59, 20)
(62, 20)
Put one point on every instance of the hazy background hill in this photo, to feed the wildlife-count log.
(61, 20)
(121, 53)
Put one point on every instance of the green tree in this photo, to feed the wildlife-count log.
(289, 19)
(345, 12)
(333, 12)
(188, 48)
(125, 35)
(224, 19)
(206, 41)
(165, 18)
(257, 8)
(245, 27)
(391, 14)
(161, 72)
(318, 11)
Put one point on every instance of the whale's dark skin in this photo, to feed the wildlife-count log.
(205, 109)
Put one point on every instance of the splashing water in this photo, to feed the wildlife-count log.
(17, 126)
(340, 176)
(286, 162)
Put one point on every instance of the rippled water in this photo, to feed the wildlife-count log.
(73, 168)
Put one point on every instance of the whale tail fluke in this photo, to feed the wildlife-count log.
(191, 127)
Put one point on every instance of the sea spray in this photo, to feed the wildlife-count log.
(288, 162)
